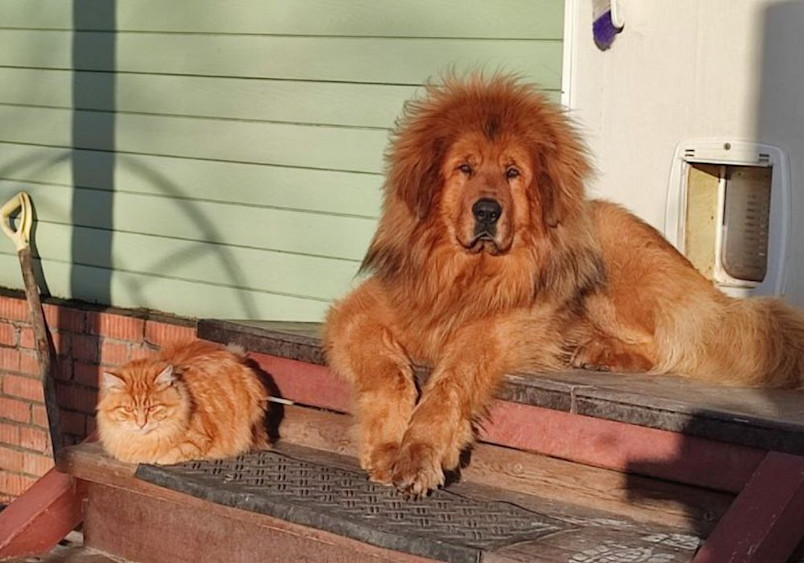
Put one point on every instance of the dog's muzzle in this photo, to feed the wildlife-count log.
(487, 212)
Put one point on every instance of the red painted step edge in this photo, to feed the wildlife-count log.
(39, 518)
(43, 515)
(583, 439)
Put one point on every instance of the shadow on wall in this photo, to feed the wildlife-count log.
(780, 115)
(93, 88)
(780, 122)
(94, 129)
(212, 233)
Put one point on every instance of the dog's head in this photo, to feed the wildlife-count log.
(487, 162)
(478, 150)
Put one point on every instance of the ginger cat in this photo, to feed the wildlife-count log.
(192, 401)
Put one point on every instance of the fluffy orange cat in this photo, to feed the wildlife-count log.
(192, 401)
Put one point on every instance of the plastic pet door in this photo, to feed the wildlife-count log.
(728, 212)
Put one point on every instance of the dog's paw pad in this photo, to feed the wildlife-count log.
(417, 470)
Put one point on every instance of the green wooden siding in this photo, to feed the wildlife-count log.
(224, 158)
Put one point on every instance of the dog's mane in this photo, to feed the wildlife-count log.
(410, 252)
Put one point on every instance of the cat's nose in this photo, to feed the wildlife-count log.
(141, 422)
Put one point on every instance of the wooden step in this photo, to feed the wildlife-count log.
(766, 419)
(690, 509)
(589, 510)
(748, 442)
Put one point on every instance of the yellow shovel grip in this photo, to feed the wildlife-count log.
(19, 237)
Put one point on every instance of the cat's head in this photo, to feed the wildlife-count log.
(142, 397)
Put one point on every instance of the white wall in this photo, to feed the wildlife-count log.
(689, 69)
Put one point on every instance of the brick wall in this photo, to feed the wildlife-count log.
(86, 340)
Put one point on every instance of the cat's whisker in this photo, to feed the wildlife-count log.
(280, 401)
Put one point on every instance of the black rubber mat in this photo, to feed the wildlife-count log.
(443, 526)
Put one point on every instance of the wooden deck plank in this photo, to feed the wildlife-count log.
(116, 500)
(153, 525)
(550, 479)
(592, 441)
(756, 418)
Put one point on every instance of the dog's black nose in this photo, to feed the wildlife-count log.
(487, 211)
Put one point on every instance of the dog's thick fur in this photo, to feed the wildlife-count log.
(559, 280)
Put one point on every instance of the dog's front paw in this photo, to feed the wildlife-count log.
(417, 470)
(378, 462)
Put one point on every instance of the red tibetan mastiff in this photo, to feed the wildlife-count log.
(489, 259)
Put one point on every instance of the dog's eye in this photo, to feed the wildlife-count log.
(465, 168)
(512, 173)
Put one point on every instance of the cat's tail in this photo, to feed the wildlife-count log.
(757, 342)
(237, 350)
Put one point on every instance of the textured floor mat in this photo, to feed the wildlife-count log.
(443, 526)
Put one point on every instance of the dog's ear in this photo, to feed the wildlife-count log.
(563, 168)
(415, 171)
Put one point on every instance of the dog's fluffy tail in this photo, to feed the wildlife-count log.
(757, 342)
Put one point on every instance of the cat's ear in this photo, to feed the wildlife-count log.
(111, 381)
(166, 377)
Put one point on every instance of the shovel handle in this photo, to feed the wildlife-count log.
(21, 236)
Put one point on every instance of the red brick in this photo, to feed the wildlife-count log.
(14, 409)
(13, 309)
(38, 417)
(9, 434)
(64, 318)
(8, 334)
(73, 423)
(61, 343)
(86, 348)
(9, 359)
(34, 439)
(87, 374)
(64, 369)
(91, 425)
(27, 338)
(14, 484)
(10, 460)
(29, 363)
(76, 398)
(163, 334)
(113, 353)
(36, 465)
(119, 327)
(23, 387)
(143, 351)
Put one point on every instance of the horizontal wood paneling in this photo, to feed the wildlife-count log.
(322, 147)
(373, 60)
(360, 105)
(221, 223)
(190, 299)
(195, 260)
(527, 19)
(218, 158)
(325, 103)
(339, 193)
